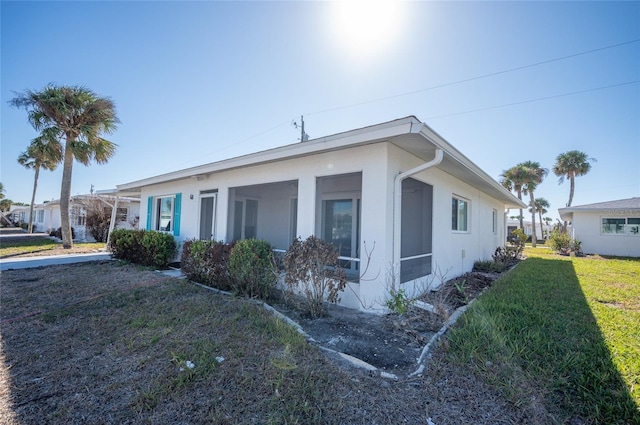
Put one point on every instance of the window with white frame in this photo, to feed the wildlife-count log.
(621, 226)
(459, 214)
(164, 213)
(40, 216)
(122, 214)
(78, 217)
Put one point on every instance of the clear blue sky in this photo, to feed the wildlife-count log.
(197, 82)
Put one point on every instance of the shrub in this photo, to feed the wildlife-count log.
(97, 223)
(251, 268)
(563, 244)
(398, 302)
(57, 233)
(206, 262)
(489, 266)
(560, 241)
(144, 247)
(312, 266)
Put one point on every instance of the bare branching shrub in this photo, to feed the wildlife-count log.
(312, 267)
(97, 217)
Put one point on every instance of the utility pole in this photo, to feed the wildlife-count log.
(303, 136)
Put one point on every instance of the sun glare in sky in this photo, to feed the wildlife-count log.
(364, 27)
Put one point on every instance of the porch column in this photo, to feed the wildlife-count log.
(222, 214)
(306, 206)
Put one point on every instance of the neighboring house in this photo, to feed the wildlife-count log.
(403, 206)
(607, 228)
(528, 228)
(47, 216)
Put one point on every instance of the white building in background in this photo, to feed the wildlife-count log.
(400, 203)
(46, 216)
(541, 233)
(606, 228)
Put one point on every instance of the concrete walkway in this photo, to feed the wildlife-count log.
(30, 262)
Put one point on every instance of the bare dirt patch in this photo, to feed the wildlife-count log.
(390, 342)
(108, 343)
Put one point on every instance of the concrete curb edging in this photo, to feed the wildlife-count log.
(434, 339)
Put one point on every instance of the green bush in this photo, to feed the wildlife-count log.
(251, 268)
(144, 247)
(562, 243)
(206, 262)
(490, 266)
(398, 302)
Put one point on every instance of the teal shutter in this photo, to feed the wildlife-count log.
(149, 209)
(176, 215)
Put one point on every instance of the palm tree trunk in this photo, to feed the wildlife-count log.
(572, 182)
(541, 228)
(65, 195)
(33, 199)
(533, 219)
(521, 212)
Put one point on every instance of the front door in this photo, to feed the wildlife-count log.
(208, 216)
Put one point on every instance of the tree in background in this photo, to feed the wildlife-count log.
(513, 179)
(533, 176)
(541, 207)
(41, 153)
(5, 205)
(79, 116)
(1, 191)
(97, 218)
(570, 165)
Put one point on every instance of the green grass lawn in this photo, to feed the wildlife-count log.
(564, 328)
(34, 244)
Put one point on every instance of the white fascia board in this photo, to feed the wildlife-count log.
(510, 199)
(359, 137)
(566, 214)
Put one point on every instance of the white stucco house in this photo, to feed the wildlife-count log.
(401, 204)
(46, 216)
(606, 228)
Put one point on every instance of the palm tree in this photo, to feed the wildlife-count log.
(514, 179)
(43, 154)
(541, 206)
(570, 165)
(1, 191)
(534, 174)
(80, 117)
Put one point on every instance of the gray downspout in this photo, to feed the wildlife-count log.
(397, 207)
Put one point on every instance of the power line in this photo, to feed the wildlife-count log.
(492, 74)
(466, 80)
(533, 100)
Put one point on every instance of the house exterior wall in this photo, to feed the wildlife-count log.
(453, 252)
(587, 228)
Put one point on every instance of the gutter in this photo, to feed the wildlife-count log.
(397, 206)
